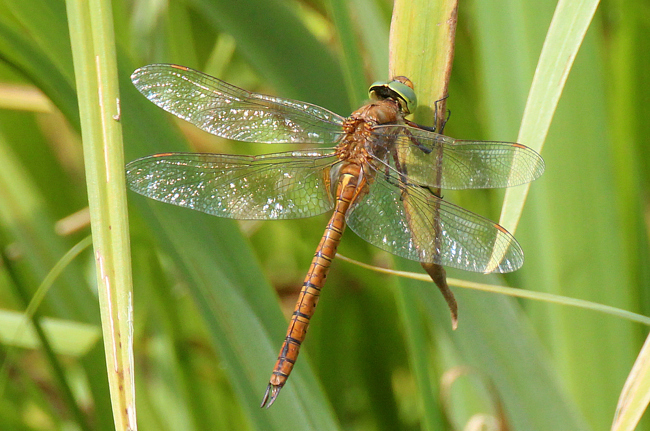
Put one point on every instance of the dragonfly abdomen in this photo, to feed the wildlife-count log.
(314, 281)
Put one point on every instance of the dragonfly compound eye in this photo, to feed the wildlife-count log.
(400, 88)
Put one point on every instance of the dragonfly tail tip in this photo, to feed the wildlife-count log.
(272, 392)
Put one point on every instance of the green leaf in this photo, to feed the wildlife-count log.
(66, 337)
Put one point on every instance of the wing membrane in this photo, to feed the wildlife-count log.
(233, 113)
(411, 222)
(436, 160)
(273, 186)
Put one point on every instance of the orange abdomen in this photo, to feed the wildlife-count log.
(314, 281)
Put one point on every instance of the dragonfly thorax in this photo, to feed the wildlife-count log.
(386, 111)
(358, 129)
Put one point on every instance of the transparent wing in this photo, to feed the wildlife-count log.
(273, 186)
(409, 221)
(230, 112)
(436, 160)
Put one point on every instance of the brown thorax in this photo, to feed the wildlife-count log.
(358, 128)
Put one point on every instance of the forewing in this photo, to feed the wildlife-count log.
(436, 160)
(409, 221)
(273, 186)
(233, 113)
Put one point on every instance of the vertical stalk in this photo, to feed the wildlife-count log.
(93, 46)
(422, 49)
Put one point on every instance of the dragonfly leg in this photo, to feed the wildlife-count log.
(424, 149)
(420, 126)
(435, 113)
(435, 119)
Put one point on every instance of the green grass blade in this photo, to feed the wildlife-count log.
(570, 227)
(373, 29)
(66, 337)
(421, 48)
(565, 34)
(350, 53)
(635, 395)
(25, 218)
(48, 281)
(427, 28)
(97, 87)
(40, 63)
(490, 351)
(416, 338)
(49, 35)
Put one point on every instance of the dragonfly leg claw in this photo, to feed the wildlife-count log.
(273, 391)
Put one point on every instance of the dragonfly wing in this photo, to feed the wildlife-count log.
(436, 160)
(273, 186)
(411, 222)
(233, 113)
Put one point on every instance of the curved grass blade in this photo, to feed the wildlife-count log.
(564, 38)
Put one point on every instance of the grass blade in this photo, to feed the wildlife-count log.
(564, 38)
(95, 63)
(635, 396)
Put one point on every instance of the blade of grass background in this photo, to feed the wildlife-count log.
(180, 365)
(35, 19)
(412, 314)
(508, 352)
(93, 47)
(24, 97)
(73, 338)
(36, 61)
(281, 49)
(628, 91)
(25, 219)
(373, 28)
(572, 245)
(635, 395)
(565, 34)
(56, 365)
(519, 293)
(178, 39)
(421, 48)
(350, 53)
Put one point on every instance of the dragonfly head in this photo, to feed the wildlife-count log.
(400, 89)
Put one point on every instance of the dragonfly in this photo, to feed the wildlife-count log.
(380, 174)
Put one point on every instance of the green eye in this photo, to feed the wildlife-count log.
(398, 89)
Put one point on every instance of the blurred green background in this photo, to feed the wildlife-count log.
(211, 296)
